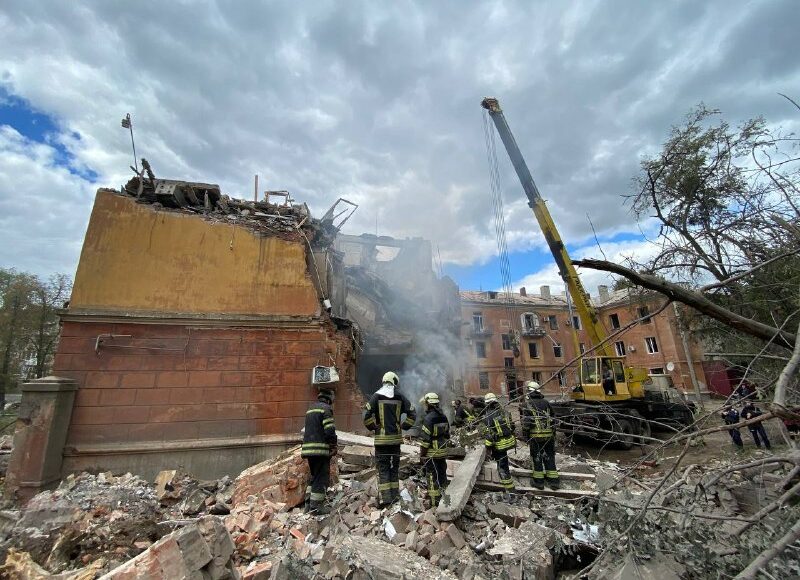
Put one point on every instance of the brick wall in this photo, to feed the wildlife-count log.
(175, 382)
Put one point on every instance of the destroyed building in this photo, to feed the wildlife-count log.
(410, 318)
(194, 324)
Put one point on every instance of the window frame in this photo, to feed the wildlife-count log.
(506, 340)
(654, 349)
(576, 322)
(535, 345)
(614, 321)
(560, 352)
(481, 382)
(617, 347)
(643, 312)
(552, 320)
(480, 347)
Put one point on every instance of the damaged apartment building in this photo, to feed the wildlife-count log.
(195, 323)
(194, 326)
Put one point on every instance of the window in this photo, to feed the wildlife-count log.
(561, 379)
(477, 321)
(480, 349)
(619, 346)
(576, 322)
(652, 345)
(657, 371)
(533, 349)
(530, 321)
(644, 311)
(582, 347)
(508, 362)
(506, 342)
(614, 320)
(557, 350)
(483, 380)
(553, 322)
(536, 376)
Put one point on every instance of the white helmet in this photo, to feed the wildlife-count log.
(430, 399)
(533, 386)
(391, 377)
(490, 398)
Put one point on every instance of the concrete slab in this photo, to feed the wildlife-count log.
(457, 493)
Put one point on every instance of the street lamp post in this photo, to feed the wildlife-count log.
(127, 123)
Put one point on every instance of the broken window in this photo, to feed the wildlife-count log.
(477, 321)
(530, 321)
(644, 312)
(652, 345)
(557, 350)
(614, 320)
(533, 349)
(553, 322)
(506, 342)
(508, 362)
(483, 380)
(561, 379)
(511, 383)
(619, 346)
(536, 376)
(576, 322)
(657, 371)
(480, 349)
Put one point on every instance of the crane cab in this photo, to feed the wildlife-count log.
(606, 378)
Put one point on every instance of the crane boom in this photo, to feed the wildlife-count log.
(586, 311)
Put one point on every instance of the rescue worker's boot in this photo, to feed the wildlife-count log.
(538, 483)
(318, 508)
(553, 483)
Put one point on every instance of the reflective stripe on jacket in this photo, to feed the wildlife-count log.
(499, 429)
(537, 418)
(435, 434)
(320, 431)
(384, 416)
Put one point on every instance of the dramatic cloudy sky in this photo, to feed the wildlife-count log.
(377, 102)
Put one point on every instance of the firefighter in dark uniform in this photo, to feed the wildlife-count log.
(434, 441)
(537, 428)
(750, 411)
(386, 414)
(319, 445)
(731, 417)
(462, 415)
(499, 438)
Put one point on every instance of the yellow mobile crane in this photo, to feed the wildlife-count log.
(603, 376)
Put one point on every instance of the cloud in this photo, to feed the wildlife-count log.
(379, 102)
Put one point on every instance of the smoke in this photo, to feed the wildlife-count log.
(434, 366)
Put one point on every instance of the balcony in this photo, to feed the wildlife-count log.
(481, 331)
(533, 331)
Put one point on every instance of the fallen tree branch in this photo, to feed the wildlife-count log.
(766, 510)
(764, 558)
(750, 271)
(787, 374)
(678, 293)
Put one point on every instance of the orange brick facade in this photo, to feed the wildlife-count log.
(175, 382)
(487, 319)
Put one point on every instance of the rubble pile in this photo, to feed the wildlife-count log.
(254, 527)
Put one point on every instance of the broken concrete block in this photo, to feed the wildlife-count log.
(193, 547)
(526, 551)
(456, 536)
(257, 571)
(358, 455)
(411, 540)
(399, 539)
(165, 486)
(441, 544)
(510, 514)
(401, 522)
(457, 494)
(373, 559)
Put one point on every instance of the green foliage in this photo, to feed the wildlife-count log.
(28, 324)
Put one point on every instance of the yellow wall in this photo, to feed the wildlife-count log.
(136, 258)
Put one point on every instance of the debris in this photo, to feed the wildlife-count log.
(512, 515)
(457, 493)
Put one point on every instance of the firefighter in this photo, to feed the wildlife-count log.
(750, 411)
(386, 414)
(319, 445)
(462, 414)
(731, 417)
(537, 428)
(435, 439)
(499, 438)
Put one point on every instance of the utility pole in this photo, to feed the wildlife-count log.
(255, 189)
(127, 123)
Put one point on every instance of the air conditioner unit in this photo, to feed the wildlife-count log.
(321, 375)
(632, 348)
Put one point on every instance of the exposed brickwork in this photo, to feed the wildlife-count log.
(180, 382)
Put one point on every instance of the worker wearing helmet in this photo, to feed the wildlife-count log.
(499, 437)
(537, 427)
(319, 445)
(462, 414)
(386, 414)
(434, 440)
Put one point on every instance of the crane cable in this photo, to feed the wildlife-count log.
(500, 227)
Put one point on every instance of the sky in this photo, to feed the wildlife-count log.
(379, 103)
